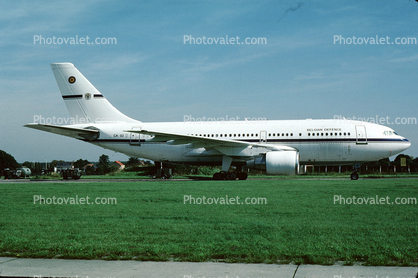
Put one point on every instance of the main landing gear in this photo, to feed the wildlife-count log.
(230, 176)
(162, 172)
(225, 175)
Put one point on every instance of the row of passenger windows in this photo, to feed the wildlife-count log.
(330, 134)
(226, 135)
(270, 134)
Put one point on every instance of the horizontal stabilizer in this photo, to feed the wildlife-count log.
(88, 133)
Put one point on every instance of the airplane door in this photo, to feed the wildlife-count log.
(135, 138)
(263, 136)
(361, 136)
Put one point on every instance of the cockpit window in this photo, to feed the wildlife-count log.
(389, 132)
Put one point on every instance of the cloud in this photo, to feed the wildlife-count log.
(405, 59)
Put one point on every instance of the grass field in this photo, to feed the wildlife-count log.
(301, 222)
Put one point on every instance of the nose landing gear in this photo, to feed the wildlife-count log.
(354, 175)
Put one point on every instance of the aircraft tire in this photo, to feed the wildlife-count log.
(242, 176)
(354, 176)
(217, 176)
(231, 176)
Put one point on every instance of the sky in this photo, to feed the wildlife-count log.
(315, 59)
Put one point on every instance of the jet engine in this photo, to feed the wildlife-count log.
(277, 163)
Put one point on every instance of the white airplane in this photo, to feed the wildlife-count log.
(277, 147)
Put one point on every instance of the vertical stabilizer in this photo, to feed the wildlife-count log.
(84, 102)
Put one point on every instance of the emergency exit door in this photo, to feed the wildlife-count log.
(135, 138)
(361, 135)
(263, 136)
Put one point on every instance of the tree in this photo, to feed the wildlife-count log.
(104, 165)
(132, 162)
(53, 164)
(28, 164)
(80, 163)
(7, 161)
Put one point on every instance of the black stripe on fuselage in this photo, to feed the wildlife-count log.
(72, 96)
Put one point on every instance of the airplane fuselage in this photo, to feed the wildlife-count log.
(319, 142)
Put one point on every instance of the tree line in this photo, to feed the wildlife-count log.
(402, 163)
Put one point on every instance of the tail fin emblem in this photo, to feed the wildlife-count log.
(71, 79)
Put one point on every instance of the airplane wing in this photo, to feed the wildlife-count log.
(78, 133)
(224, 145)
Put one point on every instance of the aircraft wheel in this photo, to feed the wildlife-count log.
(217, 176)
(354, 176)
(231, 176)
(242, 176)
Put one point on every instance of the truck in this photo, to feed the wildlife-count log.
(74, 174)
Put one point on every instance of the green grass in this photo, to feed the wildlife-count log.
(300, 222)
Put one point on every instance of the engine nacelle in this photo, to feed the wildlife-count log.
(277, 163)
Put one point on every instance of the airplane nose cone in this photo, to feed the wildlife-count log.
(400, 146)
(406, 143)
